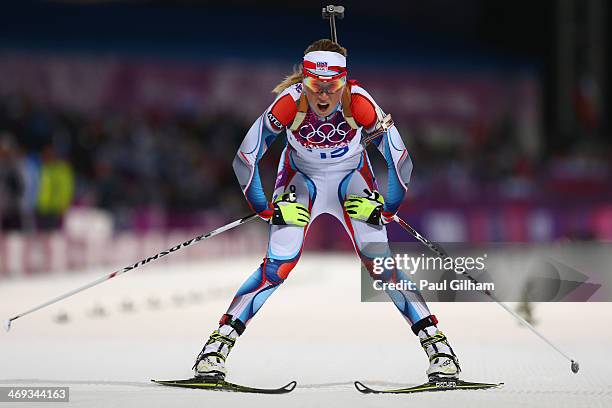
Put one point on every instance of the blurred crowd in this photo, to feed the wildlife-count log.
(51, 159)
(35, 188)
(180, 163)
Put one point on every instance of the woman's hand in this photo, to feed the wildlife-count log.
(287, 211)
(368, 208)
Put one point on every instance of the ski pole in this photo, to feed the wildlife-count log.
(7, 323)
(444, 255)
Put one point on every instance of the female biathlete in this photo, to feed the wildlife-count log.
(324, 168)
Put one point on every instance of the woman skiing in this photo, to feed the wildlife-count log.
(324, 168)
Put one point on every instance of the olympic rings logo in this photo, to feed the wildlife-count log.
(325, 132)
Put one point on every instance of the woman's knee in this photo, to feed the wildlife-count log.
(277, 270)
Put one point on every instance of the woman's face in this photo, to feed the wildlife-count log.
(323, 96)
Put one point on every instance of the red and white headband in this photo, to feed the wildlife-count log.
(324, 65)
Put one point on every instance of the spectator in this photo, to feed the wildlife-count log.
(56, 189)
(11, 184)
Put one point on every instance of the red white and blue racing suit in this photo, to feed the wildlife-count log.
(325, 160)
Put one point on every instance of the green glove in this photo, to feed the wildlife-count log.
(368, 208)
(287, 211)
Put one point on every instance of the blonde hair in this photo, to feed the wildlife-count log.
(297, 75)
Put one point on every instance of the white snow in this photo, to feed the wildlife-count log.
(313, 330)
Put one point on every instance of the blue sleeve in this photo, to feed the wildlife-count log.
(399, 168)
(246, 163)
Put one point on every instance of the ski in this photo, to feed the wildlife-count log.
(222, 385)
(431, 386)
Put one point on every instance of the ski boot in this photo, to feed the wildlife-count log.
(210, 363)
(443, 362)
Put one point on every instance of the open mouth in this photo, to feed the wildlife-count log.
(323, 106)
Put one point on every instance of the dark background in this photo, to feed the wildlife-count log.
(433, 33)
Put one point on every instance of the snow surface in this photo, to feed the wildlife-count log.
(313, 330)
